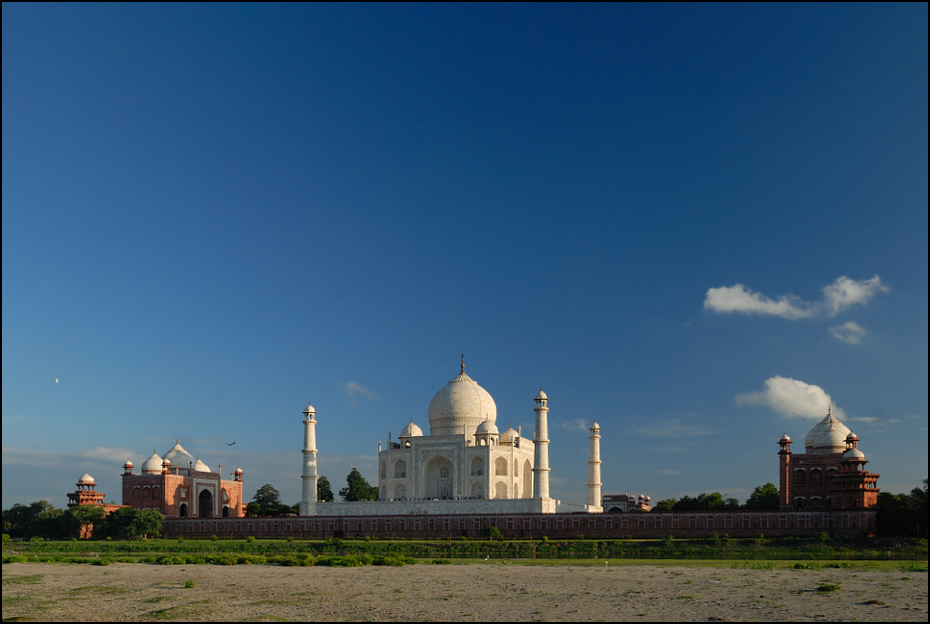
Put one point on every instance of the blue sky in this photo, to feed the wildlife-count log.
(699, 226)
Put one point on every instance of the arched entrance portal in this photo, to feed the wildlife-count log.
(438, 478)
(205, 504)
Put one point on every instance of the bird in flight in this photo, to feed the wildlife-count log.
(230, 443)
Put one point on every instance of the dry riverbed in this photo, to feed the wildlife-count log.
(490, 591)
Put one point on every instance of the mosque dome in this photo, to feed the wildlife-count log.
(199, 466)
(179, 457)
(411, 431)
(827, 436)
(86, 480)
(459, 407)
(853, 453)
(152, 464)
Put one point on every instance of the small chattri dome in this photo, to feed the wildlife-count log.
(509, 436)
(199, 466)
(487, 427)
(541, 396)
(785, 438)
(86, 480)
(411, 431)
(852, 437)
(128, 464)
(853, 453)
(238, 471)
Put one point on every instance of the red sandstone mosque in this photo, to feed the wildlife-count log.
(180, 486)
(830, 474)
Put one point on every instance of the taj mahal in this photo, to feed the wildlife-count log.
(464, 465)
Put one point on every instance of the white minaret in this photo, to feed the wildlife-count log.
(594, 472)
(309, 476)
(541, 463)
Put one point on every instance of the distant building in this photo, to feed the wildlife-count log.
(615, 503)
(179, 486)
(830, 474)
(87, 494)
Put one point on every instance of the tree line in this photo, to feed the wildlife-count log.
(267, 500)
(764, 497)
(43, 520)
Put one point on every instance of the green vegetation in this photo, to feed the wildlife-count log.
(810, 553)
(357, 488)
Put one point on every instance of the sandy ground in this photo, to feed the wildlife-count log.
(474, 592)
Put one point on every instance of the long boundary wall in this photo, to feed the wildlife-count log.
(533, 526)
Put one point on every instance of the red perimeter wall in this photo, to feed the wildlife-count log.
(534, 526)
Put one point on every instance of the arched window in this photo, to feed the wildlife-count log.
(500, 466)
(477, 467)
(400, 469)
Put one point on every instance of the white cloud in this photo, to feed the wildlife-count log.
(576, 424)
(846, 292)
(837, 297)
(740, 299)
(791, 398)
(674, 428)
(849, 332)
(355, 390)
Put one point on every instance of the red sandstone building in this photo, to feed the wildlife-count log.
(87, 494)
(179, 486)
(830, 474)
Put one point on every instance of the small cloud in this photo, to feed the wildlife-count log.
(674, 428)
(845, 292)
(791, 398)
(869, 420)
(837, 297)
(354, 390)
(577, 424)
(850, 332)
(739, 299)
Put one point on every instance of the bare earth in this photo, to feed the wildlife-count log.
(474, 592)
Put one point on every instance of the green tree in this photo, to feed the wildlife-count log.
(84, 515)
(357, 488)
(324, 491)
(132, 523)
(764, 497)
(666, 504)
(40, 519)
(267, 502)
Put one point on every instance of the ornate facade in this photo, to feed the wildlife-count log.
(179, 486)
(464, 464)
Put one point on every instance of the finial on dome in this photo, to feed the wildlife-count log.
(463, 362)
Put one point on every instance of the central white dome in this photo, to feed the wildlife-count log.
(827, 436)
(459, 407)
